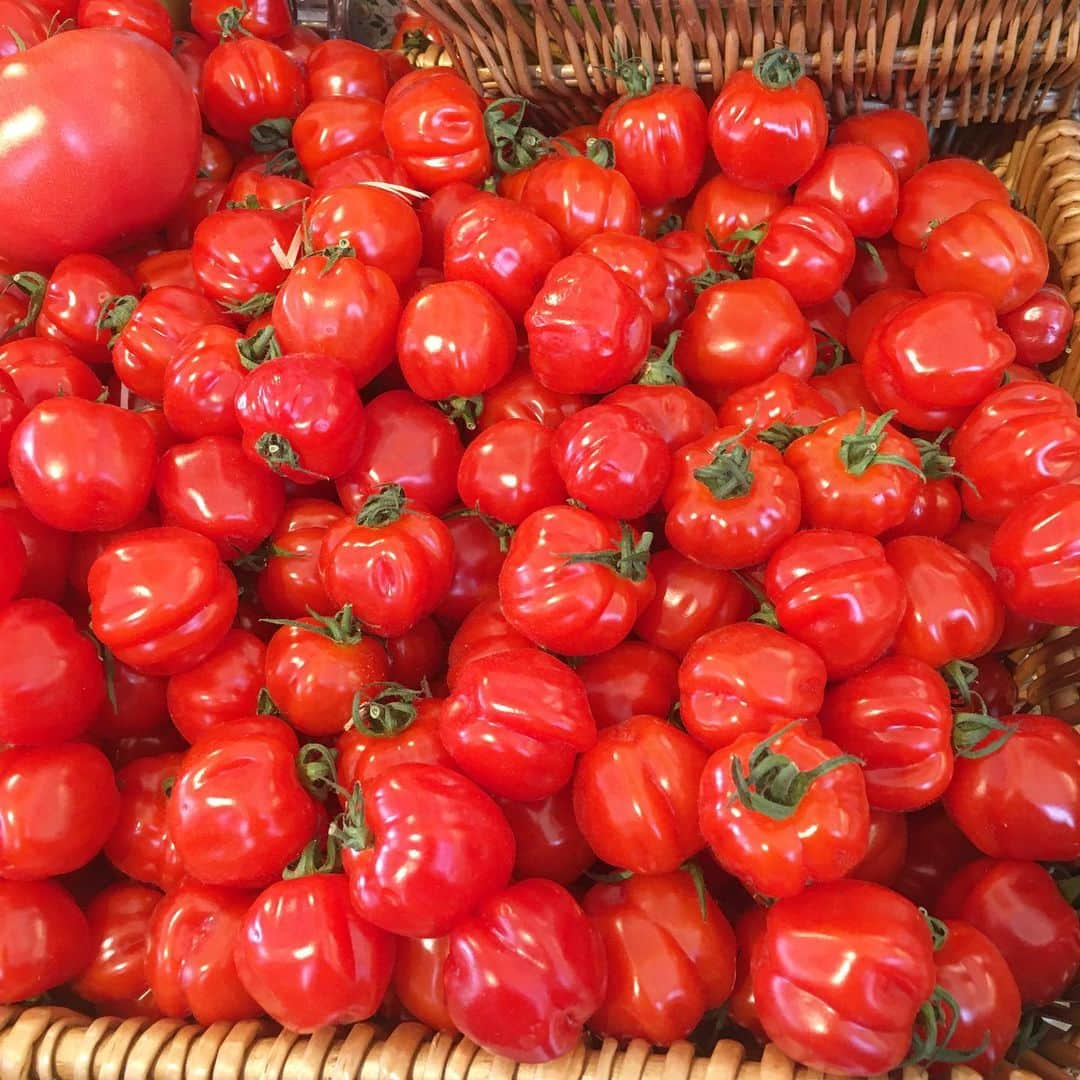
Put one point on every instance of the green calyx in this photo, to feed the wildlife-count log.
(388, 713)
(960, 675)
(265, 705)
(316, 766)
(514, 145)
(229, 23)
(271, 136)
(341, 250)
(772, 784)
(637, 76)
(939, 932)
(978, 735)
(660, 370)
(318, 857)
(862, 448)
(278, 452)
(672, 223)
(740, 256)
(937, 463)
(342, 628)
(781, 436)
(33, 286)
(115, 314)
(257, 349)
(350, 829)
(830, 351)
(503, 532)
(383, 508)
(464, 410)
(253, 307)
(935, 1026)
(708, 278)
(629, 560)
(728, 475)
(248, 202)
(778, 68)
(600, 152)
(698, 878)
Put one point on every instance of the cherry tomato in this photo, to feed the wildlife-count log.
(525, 972)
(746, 678)
(768, 126)
(1039, 327)
(899, 135)
(670, 956)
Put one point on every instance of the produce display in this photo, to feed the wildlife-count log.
(548, 586)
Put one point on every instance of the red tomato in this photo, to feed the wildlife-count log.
(161, 600)
(392, 564)
(779, 399)
(484, 632)
(342, 309)
(872, 311)
(845, 388)
(47, 551)
(630, 679)
(747, 678)
(940, 191)
(189, 958)
(784, 812)
(612, 460)
(333, 128)
(165, 268)
(749, 927)
(345, 69)
(525, 972)
(418, 657)
(241, 810)
(439, 210)
(1018, 906)
(768, 126)
(1035, 554)
(670, 956)
(83, 194)
(100, 481)
(895, 717)
(224, 687)
(858, 183)
(253, 189)
(247, 81)
(579, 197)
(739, 333)
(878, 266)
(289, 586)
(24, 25)
(936, 847)
(478, 558)
(215, 19)
(302, 933)
(418, 980)
(1040, 327)
(721, 207)
(899, 135)
(953, 612)
(298, 43)
(886, 848)
(44, 939)
(641, 265)
(508, 471)
(138, 708)
(521, 396)
(40, 369)
(13, 561)
(808, 249)
(44, 794)
(406, 442)
(206, 198)
(425, 831)
(635, 796)
(731, 500)
(140, 846)
(827, 953)
(1036, 819)
(575, 582)
(301, 417)
(856, 473)
(119, 920)
(434, 127)
(588, 331)
(358, 168)
(515, 723)
(201, 380)
(145, 17)
(547, 840)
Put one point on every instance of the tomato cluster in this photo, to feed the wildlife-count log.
(527, 584)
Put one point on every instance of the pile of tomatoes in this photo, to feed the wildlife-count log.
(535, 585)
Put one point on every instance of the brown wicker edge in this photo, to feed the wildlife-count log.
(49, 1043)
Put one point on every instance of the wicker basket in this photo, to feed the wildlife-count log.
(49, 1043)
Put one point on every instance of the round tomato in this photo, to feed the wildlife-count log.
(214, 19)
(418, 980)
(40, 369)
(339, 68)
(858, 184)
(333, 128)
(899, 135)
(547, 840)
(632, 678)
(1039, 327)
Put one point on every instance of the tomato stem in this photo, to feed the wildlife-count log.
(861, 449)
(33, 286)
(278, 453)
(350, 828)
(939, 932)
(318, 857)
(260, 347)
(728, 475)
(781, 436)
(503, 532)
(514, 145)
(637, 76)
(115, 314)
(383, 508)
(629, 560)
(828, 342)
(971, 730)
(778, 68)
(660, 370)
(872, 251)
(253, 307)
(937, 464)
(698, 878)
(467, 410)
(264, 704)
(928, 1044)
(270, 136)
(600, 152)
(229, 23)
(341, 627)
(316, 765)
(388, 713)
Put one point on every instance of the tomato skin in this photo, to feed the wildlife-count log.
(525, 972)
(333, 128)
(635, 796)
(825, 836)
(826, 952)
(78, 286)
(809, 250)
(434, 832)
(1037, 819)
(886, 849)
(118, 919)
(899, 135)
(407, 442)
(485, 631)
(345, 69)
(990, 249)
(521, 396)
(876, 308)
(189, 959)
(289, 587)
(418, 980)
(536, 706)
(151, 20)
(1019, 440)
(631, 678)
(767, 132)
(845, 388)
(936, 848)
(40, 369)
(953, 611)
(666, 964)
(730, 523)
(478, 558)
(224, 687)
(140, 846)
(44, 939)
(263, 18)
(776, 399)
(612, 460)
(580, 198)
(13, 561)
(659, 141)
(749, 927)
(303, 933)
(1040, 326)
(739, 333)
(547, 840)
(583, 293)
(248, 80)
(224, 832)
(165, 268)
(869, 276)
(84, 194)
(858, 183)
(281, 194)
(434, 127)
(1035, 554)
(747, 678)
(232, 256)
(25, 25)
(437, 212)
(572, 607)
(897, 717)
(1017, 905)
(834, 496)
(47, 551)
(200, 383)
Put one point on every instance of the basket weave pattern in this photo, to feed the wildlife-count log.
(48, 1043)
